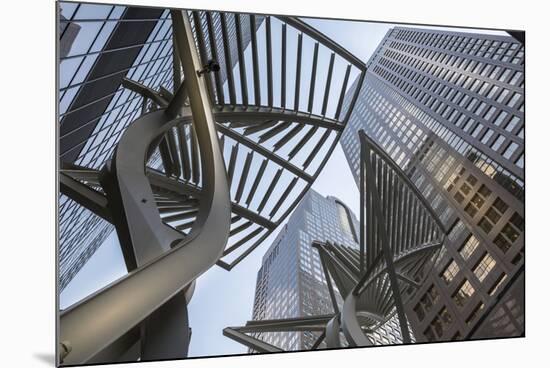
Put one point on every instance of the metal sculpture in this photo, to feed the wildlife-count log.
(400, 237)
(174, 220)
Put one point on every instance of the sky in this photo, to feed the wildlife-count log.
(225, 298)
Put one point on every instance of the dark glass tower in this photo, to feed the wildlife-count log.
(448, 108)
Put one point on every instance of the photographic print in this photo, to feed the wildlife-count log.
(236, 183)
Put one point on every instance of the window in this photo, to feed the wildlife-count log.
(458, 197)
(465, 189)
(510, 150)
(503, 95)
(493, 215)
(517, 221)
(450, 272)
(500, 205)
(472, 180)
(500, 118)
(497, 283)
(469, 247)
(515, 98)
(419, 312)
(470, 210)
(457, 229)
(485, 225)
(512, 124)
(440, 324)
(484, 191)
(478, 201)
(510, 232)
(484, 267)
(502, 243)
(498, 142)
(463, 294)
(475, 312)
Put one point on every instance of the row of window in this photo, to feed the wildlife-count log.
(438, 104)
(487, 48)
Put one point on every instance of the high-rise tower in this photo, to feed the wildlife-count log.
(291, 281)
(448, 108)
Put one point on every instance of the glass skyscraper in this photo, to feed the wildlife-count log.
(448, 108)
(291, 282)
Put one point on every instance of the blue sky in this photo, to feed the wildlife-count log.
(224, 298)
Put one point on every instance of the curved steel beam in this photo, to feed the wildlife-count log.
(260, 114)
(323, 39)
(91, 325)
(350, 324)
(332, 332)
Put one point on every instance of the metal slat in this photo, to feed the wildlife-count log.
(287, 137)
(313, 77)
(266, 153)
(195, 157)
(232, 161)
(393, 218)
(269, 61)
(256, 182)
(283, 65)
(247, 214)
(273, 132)
(181, 216)
(214, 53)
(302, 26)
(298, 72)
(362, 224)
(327, 87)
(242, 241)
(228, 61)
(222, 143)
(255, 68)
(173, 208)
(384, 200)
(343, 93)
(171, 139)
(249, 250)
(377, 199)
(283, 197)
(202, 50)
(316, 149)
(254, 129)
(244, 175)
(176, 71)
(301, 144)
(240, 228)
(165, 157)
(401, 209)
(185, 226)
(240, 55)
(272, 185)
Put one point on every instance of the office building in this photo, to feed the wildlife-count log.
(291, 281)
(448, 107)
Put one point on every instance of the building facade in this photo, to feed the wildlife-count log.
(448, 107)
(291, 282)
